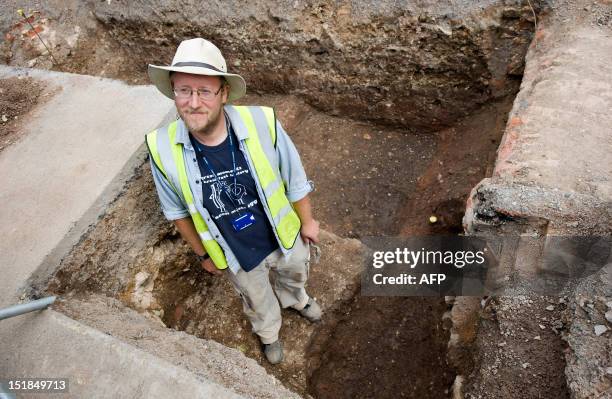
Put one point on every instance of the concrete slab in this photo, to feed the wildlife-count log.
(209, 360)
(75, 145)
(48, 344)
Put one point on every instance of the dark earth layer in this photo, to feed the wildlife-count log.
(386, 347)
(417, 64)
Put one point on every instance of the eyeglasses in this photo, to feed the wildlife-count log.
(184, 93)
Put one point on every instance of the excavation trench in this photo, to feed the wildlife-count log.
(422, 117)
(371, 181)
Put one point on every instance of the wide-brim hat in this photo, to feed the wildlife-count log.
(198, 57)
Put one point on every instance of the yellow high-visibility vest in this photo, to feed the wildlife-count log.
(169, 158)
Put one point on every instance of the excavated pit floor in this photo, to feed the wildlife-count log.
(370, 181)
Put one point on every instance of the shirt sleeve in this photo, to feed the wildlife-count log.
(171, 204)
(291, 168)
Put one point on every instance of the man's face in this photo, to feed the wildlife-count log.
(200, 116)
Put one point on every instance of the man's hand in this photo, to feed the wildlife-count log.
(310, 227)
(310, 231)
(210, 267)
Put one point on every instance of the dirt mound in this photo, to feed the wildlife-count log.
(18, 96)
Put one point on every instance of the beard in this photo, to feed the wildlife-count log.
(200, 121)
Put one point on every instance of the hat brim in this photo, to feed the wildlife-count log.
(160, 77)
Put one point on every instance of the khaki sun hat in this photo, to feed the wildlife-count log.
(199, 57)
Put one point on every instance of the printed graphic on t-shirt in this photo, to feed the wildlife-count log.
(228, 198)
(223, 189)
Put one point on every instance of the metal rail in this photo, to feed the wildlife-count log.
(5, 393)
(22, 308)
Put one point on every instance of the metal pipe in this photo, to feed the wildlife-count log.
(22, 308)
(5, 393)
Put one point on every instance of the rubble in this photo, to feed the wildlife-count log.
(600, 329)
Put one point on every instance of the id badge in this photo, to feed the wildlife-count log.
(243, 221)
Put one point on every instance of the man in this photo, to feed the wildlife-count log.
(232, 181)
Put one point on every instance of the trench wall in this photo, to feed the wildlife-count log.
(553, 177)
(420, 64)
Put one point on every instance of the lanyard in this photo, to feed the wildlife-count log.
(224, 186)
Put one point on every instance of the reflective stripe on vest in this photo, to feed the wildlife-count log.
(212, 247)
(285, 221)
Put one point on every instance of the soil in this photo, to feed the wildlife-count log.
(367, 352)
(521, 353)
(386, 347)
(465, 154)
(363, 173)
(100, 55)
(378, 181)
(18, 97)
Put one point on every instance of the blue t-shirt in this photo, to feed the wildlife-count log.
(254, 243)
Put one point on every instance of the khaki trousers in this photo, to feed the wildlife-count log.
(260, 304)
